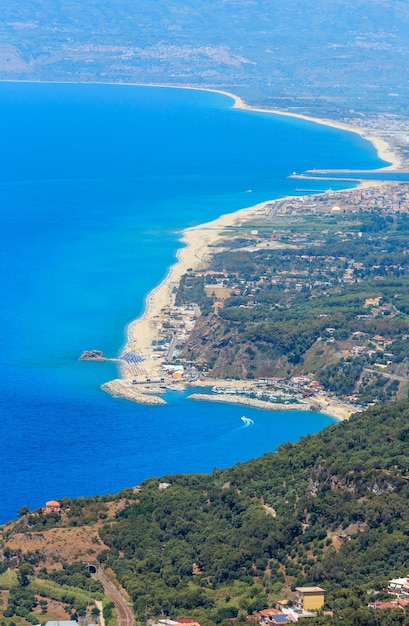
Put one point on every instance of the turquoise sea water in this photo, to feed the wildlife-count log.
(96, 183)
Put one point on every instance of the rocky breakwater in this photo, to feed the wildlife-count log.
(93, 355)
(254, 402)
(123, 388)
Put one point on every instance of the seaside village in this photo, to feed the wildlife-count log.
(147, 372)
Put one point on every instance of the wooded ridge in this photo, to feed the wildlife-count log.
(330, 510)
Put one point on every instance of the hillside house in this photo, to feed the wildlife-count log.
(52, 506)
(274, 616)
(398, 585)
(309, 598)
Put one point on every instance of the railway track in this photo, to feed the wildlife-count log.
(125, 614)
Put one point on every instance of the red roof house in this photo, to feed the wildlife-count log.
(52, 506)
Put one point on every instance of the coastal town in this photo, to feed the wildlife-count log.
(298, 230)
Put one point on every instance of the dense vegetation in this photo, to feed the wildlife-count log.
(331, 510)
(30, 589)
(335, 307)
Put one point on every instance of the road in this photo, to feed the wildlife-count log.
(403, 379)
(124, 611)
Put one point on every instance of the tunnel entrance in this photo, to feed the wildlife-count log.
(92, 567)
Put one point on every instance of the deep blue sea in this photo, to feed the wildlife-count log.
(96, 183)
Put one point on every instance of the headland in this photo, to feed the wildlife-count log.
(148, 365)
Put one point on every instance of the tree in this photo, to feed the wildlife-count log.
(95, 613)
(43, 604)
(24, 571)
(23, 511)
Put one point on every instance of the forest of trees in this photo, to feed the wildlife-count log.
(331, 509)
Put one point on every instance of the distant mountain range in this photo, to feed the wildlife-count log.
(327, 56)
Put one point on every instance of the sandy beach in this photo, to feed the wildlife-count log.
(384, 150)
(143, 332)
(194, 254)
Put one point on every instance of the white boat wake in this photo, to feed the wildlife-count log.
(247, 422)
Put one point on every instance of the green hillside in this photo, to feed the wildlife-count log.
(330, 510)
(316, 293)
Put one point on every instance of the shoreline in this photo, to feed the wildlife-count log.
(336, 410)
(384, 150)
(194, 252)
(142, 332)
